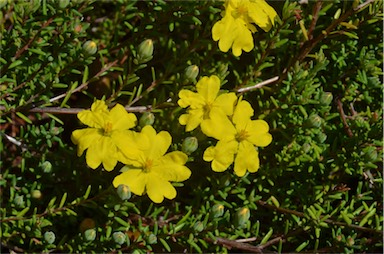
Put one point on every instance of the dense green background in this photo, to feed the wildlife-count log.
(319, 188)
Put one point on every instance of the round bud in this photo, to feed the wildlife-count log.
(119, 237)
(217, 210)
(191, 72)
(190, 144)
(49, 237)
(89, 48)
(148, 118)
(124, 192)
(90, 234)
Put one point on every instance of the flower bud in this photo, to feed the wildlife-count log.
(89, 48)
(90, 234)
(199, 226)
(189, 145)
(152, 239)
(19, 201)
(124, 192)
(242, 216)
(119, 237)
(49, 237)
(36, 194)
(350, 241)
(314, 121)
(321, 137)
(217, 210)
(144, 52)
(326, 98)
(370, 154)
(62, 4)
(148, 118)
(46, 166)
(191, 72)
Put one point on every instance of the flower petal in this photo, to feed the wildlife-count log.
(242, 115)
(221, 155)
(121, 119)
(192, 120)
(258, 130)
(189, 98)
(103, 151)
(222, 31)
(85, 138)
(159, 188)
(225, 102)
(262, 14)
(243, 39)
(160, 142)
(171, 166)
(218, 127)
(247, 158)
(208, 87)
(135, 179)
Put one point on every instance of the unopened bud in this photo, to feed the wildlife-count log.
(217, 210)
(191, 72)
(350, 241)
(89, 48)
(321, 137)
(199, 226)
(19, 201)
(49, 237)
(152, 239)
(242, 216)
(370, 154)
(62, 3)
(46, 166)
(326, 98)
(148, 118)
(90, 234)
(124, 192)
(190, 144)
(145, 52)
(314, 121)
(119, 237)
(36, 194)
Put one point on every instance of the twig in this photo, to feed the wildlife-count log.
(258, 85)
(343, 118)
(82, 86)
(238, 245)
(315, 15)
(58, 110)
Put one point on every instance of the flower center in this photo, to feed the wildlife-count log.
(107, 128)
(242, 135)
(147, 165)
(241, 11)
(207, 109)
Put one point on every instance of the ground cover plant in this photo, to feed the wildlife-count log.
(191, 126)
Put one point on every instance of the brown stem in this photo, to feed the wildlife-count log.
(343, 118)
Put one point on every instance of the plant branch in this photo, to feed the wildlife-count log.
(258, 85)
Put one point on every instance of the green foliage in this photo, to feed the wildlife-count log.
(319, 188)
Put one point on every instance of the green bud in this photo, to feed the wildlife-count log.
(217, 210)
(36, 194)
(326, 98)
(189, 145)
(46, 166)
(306, 147)
(314, 121)
(49, 237)
(199, 226)
(191, 72)
(90, 234)
(62, 4)
(144, 52)
(124, 192)
(321, 137)
(350, 241)
(152, 239)
(370, 154)
(242, 216)
(89, 48)
(148, 118)
(119, 237)
(19, 201)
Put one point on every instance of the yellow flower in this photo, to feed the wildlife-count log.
(152, 170)
(237, 140)
(108, 133)
(235, 29)
(205, 102)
